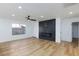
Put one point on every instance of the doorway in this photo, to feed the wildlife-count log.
(75, 33)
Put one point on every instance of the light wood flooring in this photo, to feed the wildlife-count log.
(38, 47)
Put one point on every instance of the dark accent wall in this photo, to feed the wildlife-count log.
(47, 29)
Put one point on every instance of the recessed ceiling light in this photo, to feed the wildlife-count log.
(20, 7)
(13, 14)
(70, 12)
(41, 16)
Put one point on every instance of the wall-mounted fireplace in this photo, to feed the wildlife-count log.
(47, 29)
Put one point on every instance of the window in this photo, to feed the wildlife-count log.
(18, 29)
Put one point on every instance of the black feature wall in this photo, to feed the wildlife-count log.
(47, 29)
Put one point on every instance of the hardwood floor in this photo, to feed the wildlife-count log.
(37, 47)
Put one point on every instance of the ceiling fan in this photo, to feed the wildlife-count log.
(28, 18)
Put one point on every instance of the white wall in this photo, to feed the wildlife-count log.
(63, 29)
(66, 28)
(58, 30)
(6, 29)
(36, 29)
(29, 29)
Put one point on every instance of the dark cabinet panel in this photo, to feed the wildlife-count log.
(47, 29)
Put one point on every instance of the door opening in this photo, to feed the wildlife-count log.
(75, 33)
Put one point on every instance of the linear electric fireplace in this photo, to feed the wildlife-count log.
(47, 30)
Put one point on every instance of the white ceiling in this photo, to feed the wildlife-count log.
(69, 4)
(35, 10)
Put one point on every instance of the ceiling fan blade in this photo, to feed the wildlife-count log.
(28, 18)
(32, 19)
